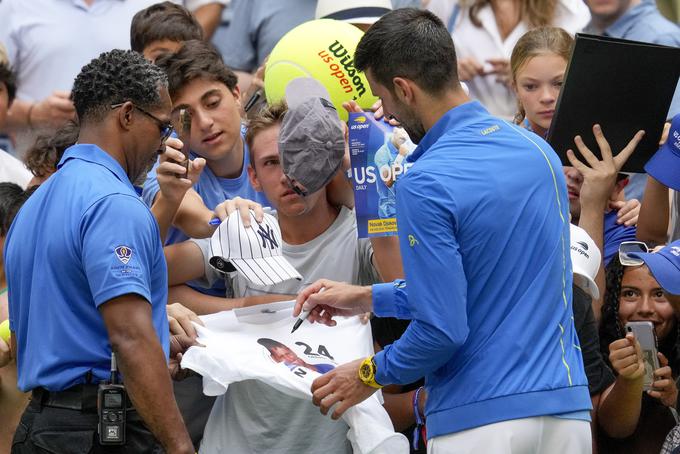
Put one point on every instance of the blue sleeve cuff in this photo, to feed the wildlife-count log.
(391, 300)
(383, 299)
(381, 367)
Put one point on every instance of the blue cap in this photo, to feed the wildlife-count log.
(664, 166)
(664, 265)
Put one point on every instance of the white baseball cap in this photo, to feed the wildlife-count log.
(585, 260)
(253, 251)
(353, 11)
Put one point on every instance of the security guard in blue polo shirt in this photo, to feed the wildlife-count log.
(87, 276)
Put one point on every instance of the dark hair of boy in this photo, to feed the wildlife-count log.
(163, 21)
(42, 158)
(8, 78)
(410, 43)
(11, 199)
(195, 59)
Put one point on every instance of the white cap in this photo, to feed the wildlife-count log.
(353, 11)
(253, 251)
(585, 260)
(301, 89)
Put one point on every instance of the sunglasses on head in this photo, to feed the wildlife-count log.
(628, 247)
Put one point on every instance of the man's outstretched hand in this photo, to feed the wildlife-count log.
(337, 298)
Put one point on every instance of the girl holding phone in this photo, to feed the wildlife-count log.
(633, 294)
(621, 423)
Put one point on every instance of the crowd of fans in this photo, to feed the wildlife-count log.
(55, 100)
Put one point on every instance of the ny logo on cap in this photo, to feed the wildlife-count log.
(267, 235)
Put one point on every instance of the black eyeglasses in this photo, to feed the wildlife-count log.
(164, 128)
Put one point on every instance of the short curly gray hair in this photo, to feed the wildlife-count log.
(116, 77)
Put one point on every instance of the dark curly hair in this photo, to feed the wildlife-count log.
(163, 21)
(195, 59)
(11, 199)
(115, 77)
(42, 158)
(8, 78)
(610, 326)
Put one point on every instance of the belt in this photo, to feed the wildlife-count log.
(81, 397)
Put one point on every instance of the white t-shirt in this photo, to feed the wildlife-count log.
(250, 415)
(13, 170)
(267, 406)
(483, 43)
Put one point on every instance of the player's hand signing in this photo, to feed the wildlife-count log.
(340, 386)
(171, 165)
(338, 298)
(243, 206)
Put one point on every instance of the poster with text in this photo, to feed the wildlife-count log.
(378, 155)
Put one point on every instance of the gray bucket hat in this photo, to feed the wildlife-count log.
(311, 140)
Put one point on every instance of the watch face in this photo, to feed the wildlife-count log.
(365, 371)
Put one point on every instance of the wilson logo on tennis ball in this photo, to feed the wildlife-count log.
(347, 62)
(324, 50)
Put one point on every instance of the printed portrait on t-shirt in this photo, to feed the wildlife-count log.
(281, 353)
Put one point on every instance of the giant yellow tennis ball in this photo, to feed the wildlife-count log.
(4, 331)
(322, 49)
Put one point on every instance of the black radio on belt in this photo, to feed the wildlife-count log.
(111, 406)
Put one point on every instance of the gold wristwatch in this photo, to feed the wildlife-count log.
(367, 371)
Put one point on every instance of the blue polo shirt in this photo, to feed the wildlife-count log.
(483, 219)
(83, 238)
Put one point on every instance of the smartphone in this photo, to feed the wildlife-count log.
(645, 335)
(185, 137)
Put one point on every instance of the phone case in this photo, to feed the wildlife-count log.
(185, 136)
(645, 335)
